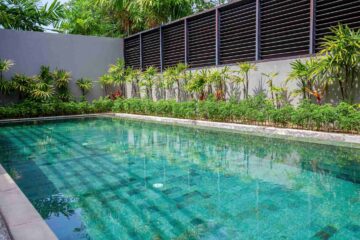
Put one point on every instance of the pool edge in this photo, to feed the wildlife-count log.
(22, 220)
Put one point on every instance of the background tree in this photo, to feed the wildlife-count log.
(85, 17)
(30, 15)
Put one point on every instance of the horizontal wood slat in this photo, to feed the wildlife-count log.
(174, 44)
(132, 52)
(237, 32)
(202, 40)
(285, 28)
(284, 31)
(331, 13)
(151, 49)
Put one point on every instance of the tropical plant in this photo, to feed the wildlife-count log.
(23, 85)
(243, 76)
(5, 65)
(198, 83)
(43, 88)
(132, 76)
(29, 15)
(219, 78)
(61, 81)
(270, 78)
(342, 59)
(85, 17)
(148, 80)
(117, 72)
(106, 81)
(169, 77)
(85, 85)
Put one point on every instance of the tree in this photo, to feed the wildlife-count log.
(342, 59)
(85, 17)
(29, 14)
(124, 17)
(85, 85)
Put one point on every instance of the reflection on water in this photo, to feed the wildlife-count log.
(117, 179)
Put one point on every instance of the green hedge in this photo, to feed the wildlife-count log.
(343, 117)
(257, 110)
(34, 109)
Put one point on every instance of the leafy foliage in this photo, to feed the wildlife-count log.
(29, 15)
(85, 85)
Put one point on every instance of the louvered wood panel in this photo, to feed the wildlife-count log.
(238, 32)
(132, 52)
(331, 13)
(285, 28)
(202, 40)
(151, 49)
(173, 44)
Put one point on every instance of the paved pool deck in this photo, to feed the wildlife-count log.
(22, 220)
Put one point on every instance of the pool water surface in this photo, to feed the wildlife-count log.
(105, 178)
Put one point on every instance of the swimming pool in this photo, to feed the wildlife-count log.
(107, 178)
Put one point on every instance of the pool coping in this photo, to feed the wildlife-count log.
(22, 220)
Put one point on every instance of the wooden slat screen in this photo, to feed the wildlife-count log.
(331, 13)
(284, 31)
(132, 52)
(238, 32)
(174, 44)
(285, 28)
(151, 49)
(202, 40)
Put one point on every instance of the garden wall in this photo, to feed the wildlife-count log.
(83, 56)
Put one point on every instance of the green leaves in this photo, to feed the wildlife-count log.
(29, 15)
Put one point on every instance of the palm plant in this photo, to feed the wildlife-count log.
(198, 83)
(23, 85)
(219, 78)
(270, 78)
(169, 76)
(29, 15)
(148, 80)
(342, 59)
(43, 88)
(5, 65)
(85, 85)
(61, 81)
(106, 81)
(42, 91)
(117, 72)
(243, 77)
(302, 74)
(132, 76)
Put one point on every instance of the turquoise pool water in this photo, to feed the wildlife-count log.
(115, 179)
